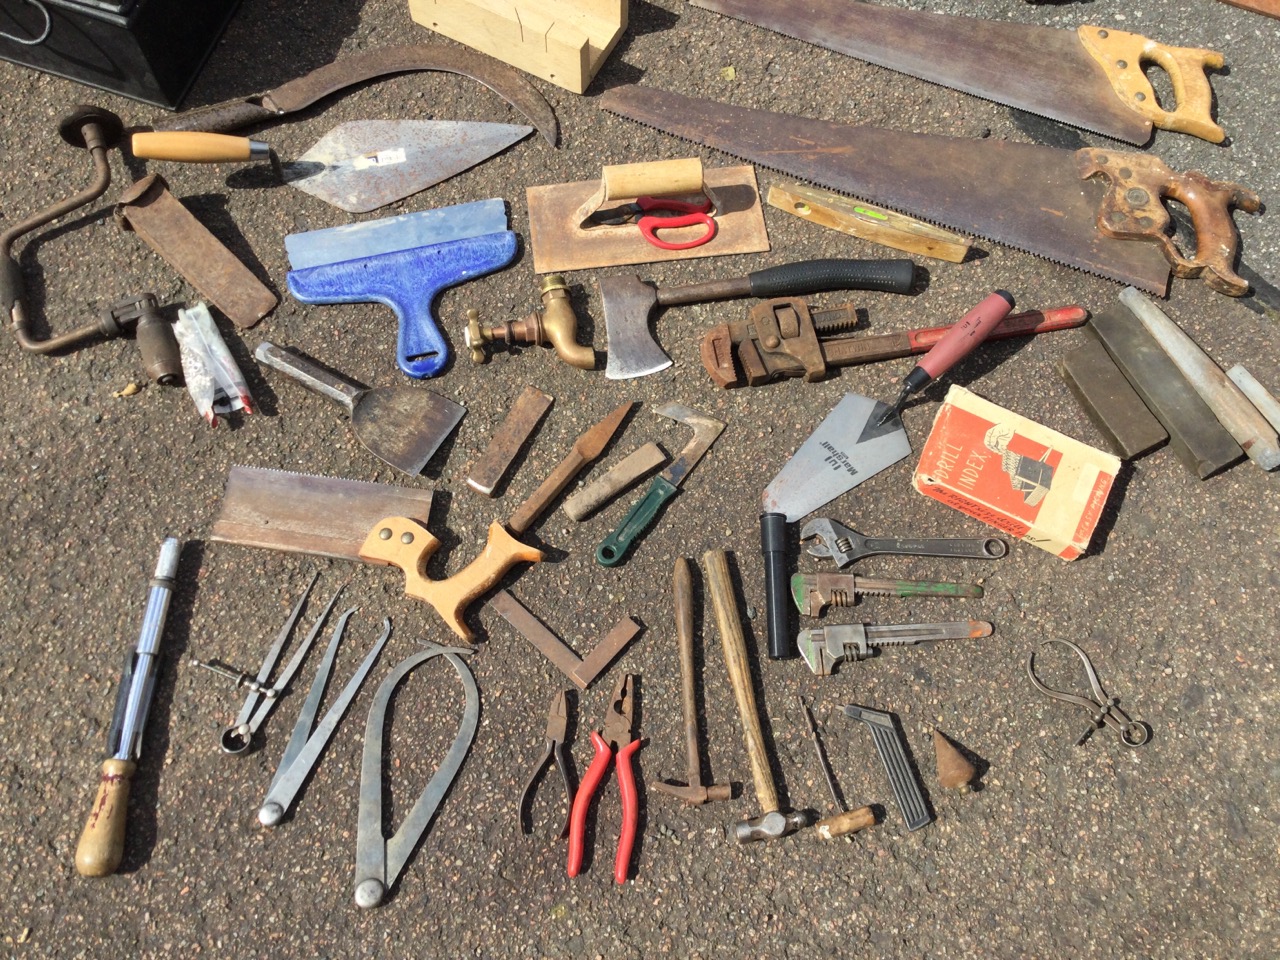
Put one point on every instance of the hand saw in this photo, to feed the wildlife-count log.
(1101, 211)
(1091, 77)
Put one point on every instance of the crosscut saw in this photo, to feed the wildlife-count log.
(1091, 77)
(1100, 211)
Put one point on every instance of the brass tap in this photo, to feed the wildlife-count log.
(555, 325)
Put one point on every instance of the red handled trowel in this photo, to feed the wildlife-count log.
(848, 447)
(403, 262)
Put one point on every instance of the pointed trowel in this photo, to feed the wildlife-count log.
(357, 166)
(847, 448)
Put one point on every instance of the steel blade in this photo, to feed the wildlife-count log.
(351, 241)
(1024, 196)
(1042, 70)
(846, 449)
(404, 426)
(366, 164)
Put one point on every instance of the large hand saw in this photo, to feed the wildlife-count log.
(1101, 211)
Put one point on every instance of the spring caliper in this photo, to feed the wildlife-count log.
(379, 861)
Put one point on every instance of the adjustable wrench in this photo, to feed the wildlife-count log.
(846, 546)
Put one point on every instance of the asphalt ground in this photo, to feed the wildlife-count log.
(1164, 851)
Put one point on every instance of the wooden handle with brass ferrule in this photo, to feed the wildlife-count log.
(198, 147)
(101, 845)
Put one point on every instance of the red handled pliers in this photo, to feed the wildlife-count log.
(652, 214)
(617, 734)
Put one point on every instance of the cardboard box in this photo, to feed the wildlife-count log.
(1023, 478)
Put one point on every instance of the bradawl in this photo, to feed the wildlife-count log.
(824, 647)
(814, 592)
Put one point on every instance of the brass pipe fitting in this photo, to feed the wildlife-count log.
(555, 325)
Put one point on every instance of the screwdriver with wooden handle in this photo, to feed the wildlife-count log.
(191, 147)
(101, 844)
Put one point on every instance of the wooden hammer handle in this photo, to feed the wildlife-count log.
(101, 845)
(735, 658)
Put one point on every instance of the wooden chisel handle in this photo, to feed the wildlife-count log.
(197, 147)
(101, 845)
(734, 643)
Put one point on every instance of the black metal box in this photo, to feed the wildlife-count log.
(150, 50)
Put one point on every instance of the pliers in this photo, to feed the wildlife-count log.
(652, 214)
(557, 729)
(617, 734)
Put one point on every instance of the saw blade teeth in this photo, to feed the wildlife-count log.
(280, 472)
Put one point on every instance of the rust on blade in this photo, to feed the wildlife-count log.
(1027, 197)
(302, 513)
(1042, 70)
(297, 94)
(487, 472)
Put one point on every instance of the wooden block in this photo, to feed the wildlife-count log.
(561, 245)
(564, 43)
(1196, 436)
(1111, 403)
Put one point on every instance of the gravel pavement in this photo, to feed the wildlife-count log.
(1093, 850)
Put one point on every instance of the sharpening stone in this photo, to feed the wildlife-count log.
(1195, 434)
(1111, 403)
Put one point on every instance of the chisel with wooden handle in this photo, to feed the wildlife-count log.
(101, 844)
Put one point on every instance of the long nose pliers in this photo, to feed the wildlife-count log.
(617, 735)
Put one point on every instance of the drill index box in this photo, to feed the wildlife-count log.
(1023, 478)
(150, 50)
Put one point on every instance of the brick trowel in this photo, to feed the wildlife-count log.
(848, 447)
(402, 426)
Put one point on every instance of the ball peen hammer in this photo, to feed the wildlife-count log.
(696, 793)
(773, 822)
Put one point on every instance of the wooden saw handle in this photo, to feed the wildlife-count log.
(1133, 209)
(101, 845)
(407, 544)
(1121, 56)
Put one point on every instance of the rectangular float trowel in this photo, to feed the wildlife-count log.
(403, 262)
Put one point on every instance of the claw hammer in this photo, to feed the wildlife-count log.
(773, 823)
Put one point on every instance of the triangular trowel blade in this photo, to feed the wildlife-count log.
(365, 164)
(846, 449)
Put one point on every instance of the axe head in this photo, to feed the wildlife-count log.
(628, 302)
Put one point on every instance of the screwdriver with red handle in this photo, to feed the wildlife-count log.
(974, 327)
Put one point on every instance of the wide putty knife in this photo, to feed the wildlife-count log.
(846, 449)
(402, 426)
(403, 262)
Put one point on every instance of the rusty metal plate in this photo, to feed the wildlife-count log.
(1024, 196)
(171, 230)
(560, 243)
(302, 513)
(487, 472)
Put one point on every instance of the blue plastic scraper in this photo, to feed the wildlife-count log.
(403, 262)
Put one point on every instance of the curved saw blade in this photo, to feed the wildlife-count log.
(1024, 196)
(366, 164)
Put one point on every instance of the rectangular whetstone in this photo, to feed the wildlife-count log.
(1111, 403)
(487, 472)
(1195, 434)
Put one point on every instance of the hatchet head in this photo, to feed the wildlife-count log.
(628, 302)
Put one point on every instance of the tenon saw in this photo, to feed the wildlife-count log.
(1101, 211)
(1091, 77)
